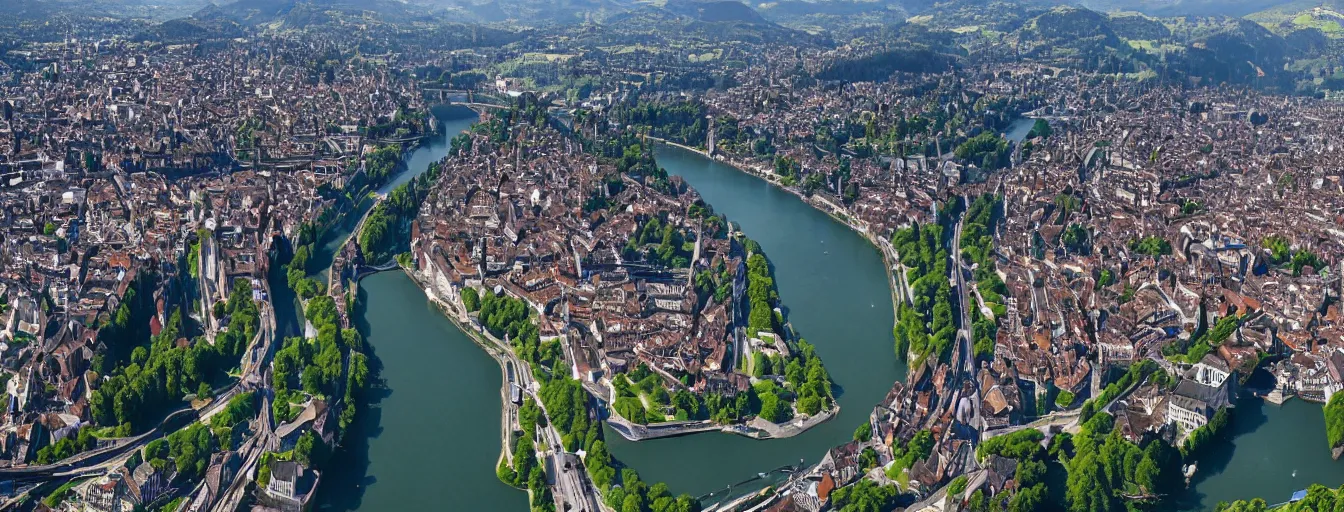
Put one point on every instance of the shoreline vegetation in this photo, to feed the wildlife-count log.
(890, 259)
(305, 368)
(809, 389)
(567, 425)
(1076, 454)
(809, 384)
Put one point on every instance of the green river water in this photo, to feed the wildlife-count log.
(430, 439)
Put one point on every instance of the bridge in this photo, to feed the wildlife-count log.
(472, 98)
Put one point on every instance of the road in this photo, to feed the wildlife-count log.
(964, 338)
(964, 329)
(572, 486)
(264, 440)
(100, 461)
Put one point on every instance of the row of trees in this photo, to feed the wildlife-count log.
(315, 365)
(507, 317)
(387, 230)
(380, 164)
(1104, 466)
(1103, 471)
(803, 370)
(1334, 420)
(1210, 432)
(977, 246)
(240, 409)
(762, 297)
(864, 496)
(671, 249)
(188, 449)
(68, 446)
(1319, 498)
(987, 150)
(788, 169)
(567, 407)
(1136, 373)
(1194, 349)
(683, 122)
(299, 267)
(526, 471)
(128, 326)
(926, 327)
(161, 374)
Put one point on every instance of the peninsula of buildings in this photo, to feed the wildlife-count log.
(621, 277)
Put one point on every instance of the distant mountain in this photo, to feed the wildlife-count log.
(1200, 49)
(1072, 36)
(1061, 24)
(304, 13)
(715, 11)
(1138, 27)
(799, 8)
(715, 20)
(14, 10)
(1240, 51)
(1233, 8)
(840, 16)
(191, 29)
(962, 15)
(912, 49)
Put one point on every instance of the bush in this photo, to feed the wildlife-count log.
(1334, 420)
(1064, 399)
(957, 486)
(1021, 445)
(864, 432)
(471, 299)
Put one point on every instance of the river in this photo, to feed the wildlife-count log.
(453, 120)
(430, 439)
(1018, 130)
(432, 436)
(1274, 451)
(834, 284)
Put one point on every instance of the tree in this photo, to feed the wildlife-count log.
(1153, 245)
(864, 496)
(1041, 128)
(310, 450)
(793, 373)
(471, 299)
(759, 366)
(633, 503)
(772, 409)
(1076, 239)
(1147, 474)
(864, 432)
(988, 150)
(1334, 420)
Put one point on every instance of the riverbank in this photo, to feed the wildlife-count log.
(424, 424)
(827, 279)
(457, 315)
(890, 259)
(757, 428)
